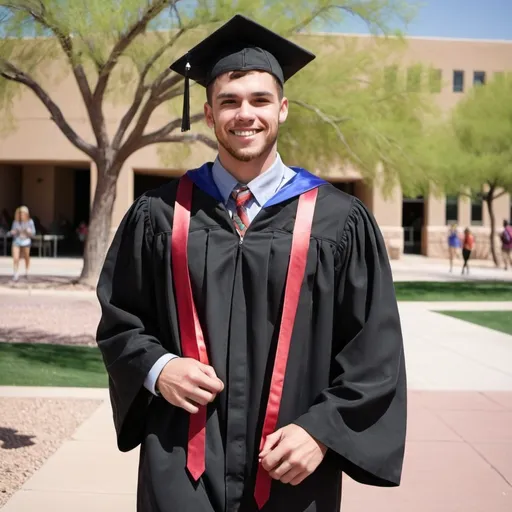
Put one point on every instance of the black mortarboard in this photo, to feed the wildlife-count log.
(239, 45)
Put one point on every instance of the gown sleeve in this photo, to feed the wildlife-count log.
(361, 417)
(127, 332)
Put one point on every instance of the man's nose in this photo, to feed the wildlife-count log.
(245, 112)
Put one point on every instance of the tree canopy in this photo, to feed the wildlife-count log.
(345, 112)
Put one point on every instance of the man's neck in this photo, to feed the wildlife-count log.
(245, 172)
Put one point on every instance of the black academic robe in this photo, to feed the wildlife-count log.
(345, 380)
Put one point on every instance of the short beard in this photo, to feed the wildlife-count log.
(241, 156)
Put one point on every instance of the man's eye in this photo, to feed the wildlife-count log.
(227, 102)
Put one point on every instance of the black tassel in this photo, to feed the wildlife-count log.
(185, 120)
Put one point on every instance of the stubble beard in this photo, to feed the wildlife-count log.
(246, 154)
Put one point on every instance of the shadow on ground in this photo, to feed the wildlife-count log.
(44, 282)
(11, 440)
(20, 335)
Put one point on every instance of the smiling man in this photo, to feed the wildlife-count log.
(249, 323)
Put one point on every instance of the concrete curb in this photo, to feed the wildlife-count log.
(53, 392)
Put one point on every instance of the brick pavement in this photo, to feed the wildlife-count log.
(459, 449)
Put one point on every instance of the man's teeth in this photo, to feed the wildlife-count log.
(246, 133)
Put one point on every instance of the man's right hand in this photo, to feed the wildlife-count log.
(185, 383)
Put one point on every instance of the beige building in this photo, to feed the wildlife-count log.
(39, 167)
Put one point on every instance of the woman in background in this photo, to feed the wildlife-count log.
(453, 244)
(22, 231)
(467, 246)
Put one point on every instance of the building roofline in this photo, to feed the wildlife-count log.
(347, 34)
(426, 38)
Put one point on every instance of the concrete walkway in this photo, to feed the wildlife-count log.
(459, 449)
(407, 268)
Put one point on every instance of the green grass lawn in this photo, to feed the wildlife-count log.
(26, 364)
(497, 320)
(483, 291)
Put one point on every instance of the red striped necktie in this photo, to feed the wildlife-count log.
(241, 195)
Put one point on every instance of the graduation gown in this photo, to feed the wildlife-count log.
(345, 379)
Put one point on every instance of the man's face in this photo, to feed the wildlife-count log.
(245, 113)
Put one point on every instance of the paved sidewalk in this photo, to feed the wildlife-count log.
(407, 268)
(459, 449)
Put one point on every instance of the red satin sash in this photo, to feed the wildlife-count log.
(192, 339)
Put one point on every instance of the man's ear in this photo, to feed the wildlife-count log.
(208, 115)
(283, 111)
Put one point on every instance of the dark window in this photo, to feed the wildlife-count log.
(458, 81)
(452, 209)
(479, 78)
(414, 79)
(476, 211)
(435, 78)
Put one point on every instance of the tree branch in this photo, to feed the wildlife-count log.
(94, 110)
(332, 122)
(66, 45)
(129, 115)
(10, 72)
(153, 10)
(497, 196)
(304, 23)
(191, 137)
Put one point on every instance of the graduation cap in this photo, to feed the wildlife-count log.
(239, 45)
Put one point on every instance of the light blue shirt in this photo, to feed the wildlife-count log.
(262, 188)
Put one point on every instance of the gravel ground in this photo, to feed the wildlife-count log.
(31, 429)
(60, 320)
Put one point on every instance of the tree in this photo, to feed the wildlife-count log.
(472, 153)
(121, 50)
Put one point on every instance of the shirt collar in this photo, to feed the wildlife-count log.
(263, 187)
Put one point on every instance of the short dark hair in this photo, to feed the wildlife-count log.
(239, 74)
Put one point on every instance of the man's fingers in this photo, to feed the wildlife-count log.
(281, 470)
(189, 406)
(208, 380)
(210, 371)
(270, 461)
(201, 396)
(299, 478)
(291, 475)
(270, 442)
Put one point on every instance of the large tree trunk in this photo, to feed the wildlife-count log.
(490, 207)
(100, 222)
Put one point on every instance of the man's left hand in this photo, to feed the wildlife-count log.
(290, 454)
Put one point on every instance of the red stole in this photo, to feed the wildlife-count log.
(192, 338)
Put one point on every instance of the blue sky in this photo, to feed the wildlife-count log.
(473, 19)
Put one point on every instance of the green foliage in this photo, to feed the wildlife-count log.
(345, 111)
(363, 88)
(474, 146)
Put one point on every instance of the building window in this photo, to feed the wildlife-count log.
(458, 81)
(390, 77)
(499, 75)
(434, 79)
(476, 212)
(479, 78)
(452, 210)
(414, 79)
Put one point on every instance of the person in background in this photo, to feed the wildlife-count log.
(22, 231)
(82, 231)
(506, 244)
(467, 246)
(453, 244)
